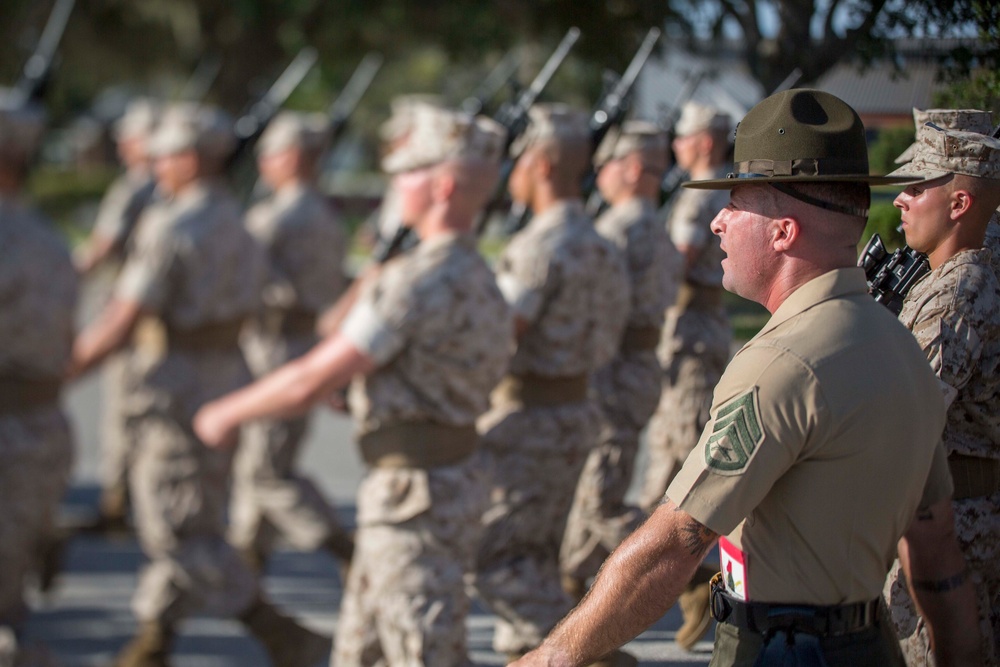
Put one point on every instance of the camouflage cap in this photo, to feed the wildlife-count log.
(635, 136)
(294, 129)
(441, 135)
(941, 152)
(696, 117)
(967, 120)
(401, 114)
(192, 127)
(553, 122)
(22, 124)
(139, 120)
(799, 136)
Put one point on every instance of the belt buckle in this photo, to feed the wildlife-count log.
(720, 606)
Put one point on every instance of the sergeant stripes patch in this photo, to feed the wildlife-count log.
(736, 433)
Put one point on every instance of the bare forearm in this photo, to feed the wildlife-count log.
(107, 334)
(938, 579)
(637, 585)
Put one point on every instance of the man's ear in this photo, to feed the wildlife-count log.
(785, 233)
(960, 203)
(443, 185)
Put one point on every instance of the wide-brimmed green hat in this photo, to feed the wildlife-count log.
(799, 136)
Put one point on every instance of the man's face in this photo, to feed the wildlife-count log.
(278, 167)
(744, 231)
(176, 171)
(520, 185)
(686, 149)
(925, 209)
(611, 179)
(414, 190)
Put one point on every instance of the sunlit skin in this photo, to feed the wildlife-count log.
(930, 211)
(175, 172)
(746, 235)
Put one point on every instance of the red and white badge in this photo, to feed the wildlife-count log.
(734, 569)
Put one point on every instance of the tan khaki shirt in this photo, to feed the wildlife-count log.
(820, 448)
(440, 332)
(954, 313)
(653, 263)
(571, 286)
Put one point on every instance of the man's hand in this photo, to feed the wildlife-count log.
(213, 428)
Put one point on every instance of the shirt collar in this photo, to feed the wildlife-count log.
(830, 285)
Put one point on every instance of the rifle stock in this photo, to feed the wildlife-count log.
(514, 117)
(251, 124)
(37, 70)
(345, 104)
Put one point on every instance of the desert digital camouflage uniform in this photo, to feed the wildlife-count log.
(441, 334)
(197, 269)
(38, 290)
(627, 389)
(954, 312)
(993, 241)
(571, 285)
(120, 209)
(305, 243)
(695, 345)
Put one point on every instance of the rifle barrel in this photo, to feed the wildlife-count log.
(355, 87)
(39, 64)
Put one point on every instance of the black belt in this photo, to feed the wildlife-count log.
(768, 617)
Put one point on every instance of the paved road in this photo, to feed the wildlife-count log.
(87, 618)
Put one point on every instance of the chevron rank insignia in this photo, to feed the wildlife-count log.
(736, 434)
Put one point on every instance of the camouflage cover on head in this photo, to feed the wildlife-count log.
(560, 123)
(140, 119)
(940, 152)
(696, 117)
(21, 126)
(441, 135)
(186, 126)
(401, 119)
(294, 129)
(635, 136)
(968, 120)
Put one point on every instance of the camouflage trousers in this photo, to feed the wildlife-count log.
(269, 499)
(179, 496)
(405, 602)
(628, 389)
(115, 446)
(977, 526)
(534, 456)
(693, 355)
(36, 456)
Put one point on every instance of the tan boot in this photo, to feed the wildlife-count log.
(287, 643)
(149, 648)
(617, 659)
(694, 602)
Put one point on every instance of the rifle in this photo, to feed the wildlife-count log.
(345, 104)
(37, 70)
(611, 110)
(201, 80)
(890, 277)
(668, 119)
(514, 117)
(498, 78)
(251, 124)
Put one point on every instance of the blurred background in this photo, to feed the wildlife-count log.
(884, 57)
